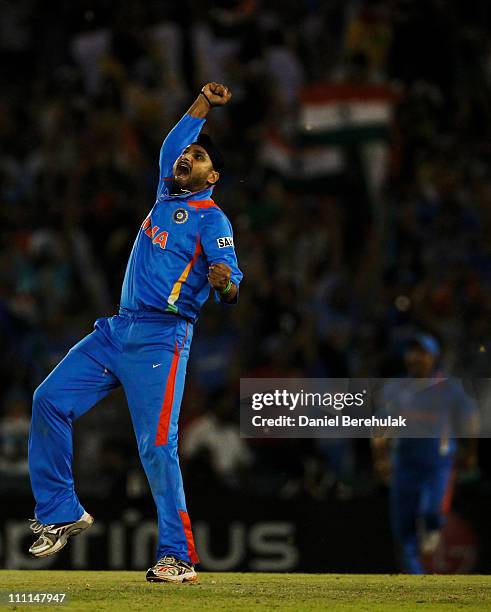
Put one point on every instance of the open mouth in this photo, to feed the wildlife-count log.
(183, 169)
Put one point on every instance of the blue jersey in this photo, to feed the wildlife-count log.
(177, 242)
(437, 411)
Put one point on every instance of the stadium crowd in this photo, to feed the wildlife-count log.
(333, 286)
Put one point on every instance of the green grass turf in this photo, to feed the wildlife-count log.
(299, 592)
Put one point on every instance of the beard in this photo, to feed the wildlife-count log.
(189, 184)
(186, 180)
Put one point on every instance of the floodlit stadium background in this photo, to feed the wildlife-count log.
(351, 238)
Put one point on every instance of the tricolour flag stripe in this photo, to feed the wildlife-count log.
(300, 163)
(342, 114)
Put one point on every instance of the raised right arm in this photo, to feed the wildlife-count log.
(187, 130)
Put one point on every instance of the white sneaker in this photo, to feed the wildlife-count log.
(170, 569)
(430, 541)
(53, 538)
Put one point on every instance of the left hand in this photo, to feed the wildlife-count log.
(218, 276)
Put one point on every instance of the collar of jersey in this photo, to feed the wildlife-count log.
(205, 194)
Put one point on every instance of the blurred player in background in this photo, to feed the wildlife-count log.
(420, 470)
(184, 245)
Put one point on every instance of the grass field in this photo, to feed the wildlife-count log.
(299, 592)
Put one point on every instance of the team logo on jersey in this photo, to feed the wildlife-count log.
(225, 241)
(180, 215)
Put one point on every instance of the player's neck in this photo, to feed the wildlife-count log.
(177, 190)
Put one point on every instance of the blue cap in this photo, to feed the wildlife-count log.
(426, 342)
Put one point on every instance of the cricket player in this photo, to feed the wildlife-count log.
(184, 246)
(420, 470)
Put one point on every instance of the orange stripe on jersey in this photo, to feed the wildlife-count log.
(166, 409)
(186, 523)
(176, 289)
(447, 498)
(162, 436)
(202, 203)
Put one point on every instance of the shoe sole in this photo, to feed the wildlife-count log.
(175, 580)
(63, 539)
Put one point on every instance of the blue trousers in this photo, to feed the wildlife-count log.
(417, 501)
(146, 353)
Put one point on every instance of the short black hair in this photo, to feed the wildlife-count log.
(213, 152)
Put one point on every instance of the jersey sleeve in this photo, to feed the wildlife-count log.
(185, 132)
(465, 414)
(217, 241)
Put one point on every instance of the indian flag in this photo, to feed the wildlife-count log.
(346, 113)
(299, 164)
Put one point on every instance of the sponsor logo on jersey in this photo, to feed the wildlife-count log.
(225, 241)
(180, 215)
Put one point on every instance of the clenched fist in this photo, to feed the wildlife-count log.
(219, 276)
(216, 93)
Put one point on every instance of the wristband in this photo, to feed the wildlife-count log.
(202, 93)
(227, 288)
